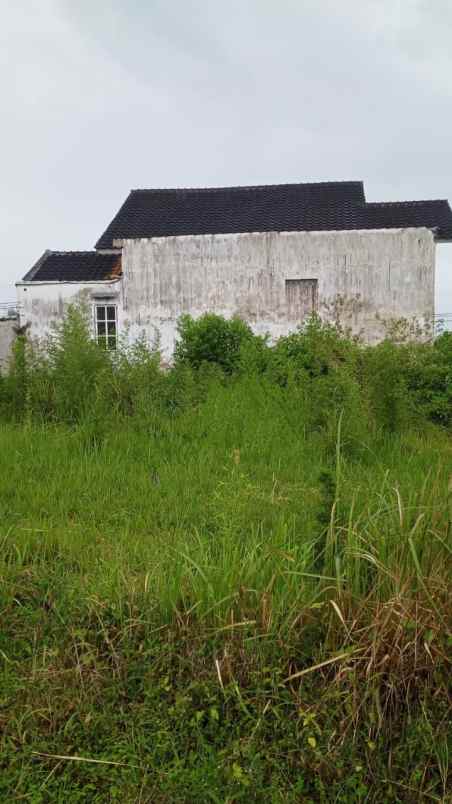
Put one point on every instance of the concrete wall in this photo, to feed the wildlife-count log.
(363, 278)
(43, 303)
(7, 336)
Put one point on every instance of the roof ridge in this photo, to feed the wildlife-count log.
(238, 187)
(407, 203)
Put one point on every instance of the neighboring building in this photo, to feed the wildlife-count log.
(9, 321)
(271, 254)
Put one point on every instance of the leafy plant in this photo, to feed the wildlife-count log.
(212, 339)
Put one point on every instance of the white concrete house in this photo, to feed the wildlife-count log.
(270, 254)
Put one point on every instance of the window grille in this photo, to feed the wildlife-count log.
(106, 325)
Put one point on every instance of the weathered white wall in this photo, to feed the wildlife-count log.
(43, 303)
(364, 278)
(7, 337)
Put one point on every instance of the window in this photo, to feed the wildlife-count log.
(301, 298)
(105, 321)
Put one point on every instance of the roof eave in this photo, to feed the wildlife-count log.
(68, 281)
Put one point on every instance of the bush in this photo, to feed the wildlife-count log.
(322, 368)
(330, 377)
(315, 349)
(385, 377)
(15, 384)
(212, 339)
(429, 378)
(134, 385)
(75, 363)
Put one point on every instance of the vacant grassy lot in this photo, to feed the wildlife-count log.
(238, 595)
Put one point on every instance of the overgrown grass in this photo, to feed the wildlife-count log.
(223, 588)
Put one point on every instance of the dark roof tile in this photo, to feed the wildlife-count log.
(74, 266)
(320, 206)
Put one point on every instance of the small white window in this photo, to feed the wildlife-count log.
(106, 325)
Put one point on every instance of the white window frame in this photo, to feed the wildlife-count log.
(109, 340)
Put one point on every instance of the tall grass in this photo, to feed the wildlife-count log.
(233, 585)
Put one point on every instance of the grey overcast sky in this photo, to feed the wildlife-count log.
(101, 97)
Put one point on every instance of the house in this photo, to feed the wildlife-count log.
(270, 254)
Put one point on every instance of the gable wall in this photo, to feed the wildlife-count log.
(363, 277)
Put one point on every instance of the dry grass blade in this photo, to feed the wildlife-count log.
(341, 617)
(84, 759)
(347, 655)
(243, 624)
(218, 669)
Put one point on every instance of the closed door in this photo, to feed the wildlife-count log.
(301, 298)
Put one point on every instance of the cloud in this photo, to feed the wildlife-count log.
(101, 97)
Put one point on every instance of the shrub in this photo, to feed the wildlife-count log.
(212, 339)
(429, 378)
(322, 367)
(75, 361)
(316, 349)
(15, 384)
(329, 376)
(385, 377)
(134, 385)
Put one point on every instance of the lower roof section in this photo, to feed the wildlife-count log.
(75, 266)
